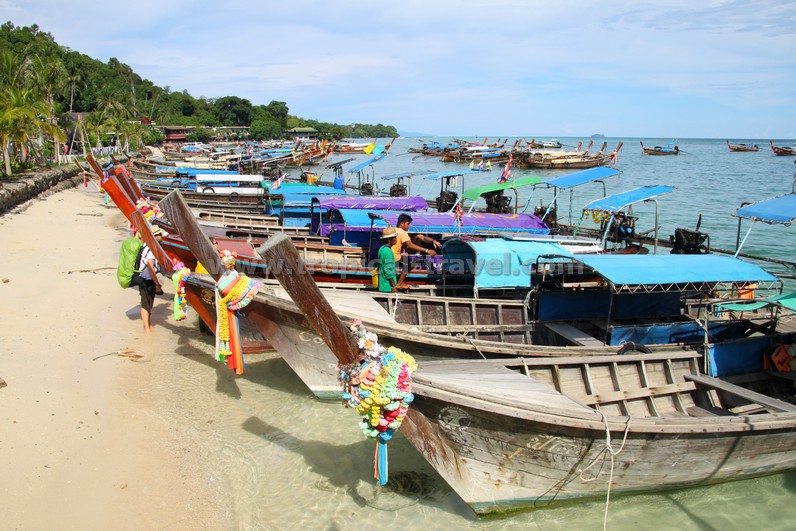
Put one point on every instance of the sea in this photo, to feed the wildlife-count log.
(281, 459)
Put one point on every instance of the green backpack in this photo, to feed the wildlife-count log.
(129, 257)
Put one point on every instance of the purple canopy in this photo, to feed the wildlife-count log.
(436, 222)
(411, 203)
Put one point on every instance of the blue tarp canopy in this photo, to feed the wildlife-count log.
(656, 270)
(780, 209)
(582, 177)
(442, 175)
(304, 188)
(496, 262)
(361, 166)
(406, 174)
(616, 202)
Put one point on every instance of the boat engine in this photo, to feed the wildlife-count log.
(366, 189)
(551, 219)
(446, 200)
(398, 190)
(622, 227)
(497, 203)
(686, 241)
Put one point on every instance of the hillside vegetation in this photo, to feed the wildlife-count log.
(43, 85)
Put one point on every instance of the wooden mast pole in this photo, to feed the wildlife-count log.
(285, 264)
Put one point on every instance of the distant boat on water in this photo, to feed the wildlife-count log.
(669, 149)
(742, 147)
(782, 150)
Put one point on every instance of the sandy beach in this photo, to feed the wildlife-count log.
(81, 446)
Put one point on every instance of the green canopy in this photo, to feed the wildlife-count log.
(786, 300)
(474, 193)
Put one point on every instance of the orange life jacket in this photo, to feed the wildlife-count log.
(778, 359)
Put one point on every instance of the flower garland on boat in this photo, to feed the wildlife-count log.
(149, 209)
(233, 292)
(379, 387)
(179, 278)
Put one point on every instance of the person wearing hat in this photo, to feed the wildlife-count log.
(149, 285)
(388, 281)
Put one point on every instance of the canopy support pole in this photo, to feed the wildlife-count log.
(553, 202)
(655, 248)
(738, 250)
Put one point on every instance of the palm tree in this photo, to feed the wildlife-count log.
(49, 77)
(74, 79)
(27, 108)
(23, 117)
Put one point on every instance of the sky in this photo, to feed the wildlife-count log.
(661, 69)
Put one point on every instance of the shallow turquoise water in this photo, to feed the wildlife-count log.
(282, 459)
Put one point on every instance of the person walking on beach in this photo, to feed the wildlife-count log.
(404, 244)
(388, 281)
(148, 285)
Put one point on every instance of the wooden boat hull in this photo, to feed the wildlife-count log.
(742, 147)
(782, 151)
(660, 151)
(523, 433)
(440, 327)
(563, 163)
(203, 199)
(506, 439)
(502, 461)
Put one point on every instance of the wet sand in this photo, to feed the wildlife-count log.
(81, 445)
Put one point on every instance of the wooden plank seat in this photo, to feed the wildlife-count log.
(770, 403)
(573, 334)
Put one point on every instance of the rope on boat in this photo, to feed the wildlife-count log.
(468, 338)
(613, 453)
(395, 305)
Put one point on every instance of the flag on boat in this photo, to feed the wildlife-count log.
(369, 148)
(458, 215)
(379, 149)
(506, 172)
(278, 182)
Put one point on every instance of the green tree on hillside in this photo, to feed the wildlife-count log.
(232, 110)
(34, 69)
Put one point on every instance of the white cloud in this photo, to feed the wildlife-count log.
(464, 67)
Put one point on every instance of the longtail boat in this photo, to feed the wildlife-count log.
(520, 434)
(552, 322)
(568, 160)
(669, 149)
(742, 147)
(782, 150)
